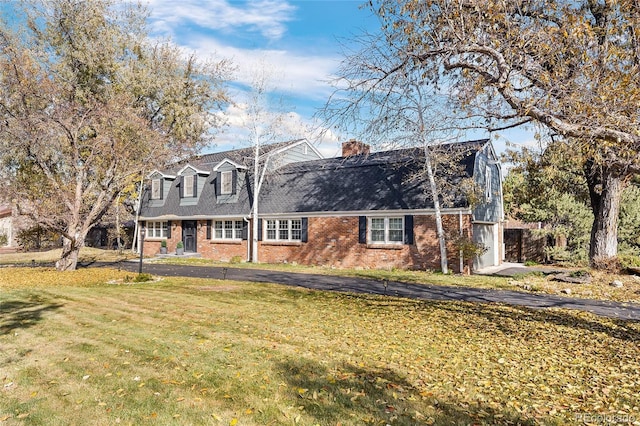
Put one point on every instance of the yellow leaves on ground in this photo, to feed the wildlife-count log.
(16, 277)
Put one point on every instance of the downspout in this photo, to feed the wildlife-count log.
(248, 239)
(461, 255)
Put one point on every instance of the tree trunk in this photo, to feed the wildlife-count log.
(69, 258)
(444, 264)
(605, 190)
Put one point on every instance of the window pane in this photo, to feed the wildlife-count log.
(271, 230)
(237, 229)
(296, 229)
(155, 189)
(395, 236)
(377, 223)
(226, 183)
(218, 229)
(187, 191)
(228, 229)
(395, 223)
(163, 234)
(283, 228)
(377, 236)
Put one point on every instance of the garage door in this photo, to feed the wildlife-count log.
(488, 236)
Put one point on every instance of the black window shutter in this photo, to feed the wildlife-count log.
(234, 179)
(304, 234)
(209, 229)
(408, 229)
(362, 229)
(195, 185)
(245, 230)
(181, 186)
(168, 229)
(218, 183)
(161, 188)
(259, 229)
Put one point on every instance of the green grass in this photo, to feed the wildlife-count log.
(190, 352)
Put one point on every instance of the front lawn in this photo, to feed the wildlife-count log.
(187, 351)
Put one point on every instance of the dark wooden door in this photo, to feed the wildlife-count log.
(513, 245)
(189, 235)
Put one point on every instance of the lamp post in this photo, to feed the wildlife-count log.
(142, 233)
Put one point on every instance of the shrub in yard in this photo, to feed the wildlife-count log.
(3, 240)
(236, 259)
(142, 278)
(629, 261)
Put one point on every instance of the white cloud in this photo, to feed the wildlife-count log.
(305, 76)
(267, 17)
(293, 126)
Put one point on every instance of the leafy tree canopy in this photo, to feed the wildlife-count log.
(571, 67)
(88, 102)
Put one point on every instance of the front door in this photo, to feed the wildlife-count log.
(189, 229)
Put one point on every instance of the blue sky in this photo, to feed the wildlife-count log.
(300, 42)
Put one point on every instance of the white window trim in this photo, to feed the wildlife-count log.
(226, 179)
(156, 229)
(236, 233)
(386, 230)
(187, 191)
(488, 190)
(156, 189)
(277, 229)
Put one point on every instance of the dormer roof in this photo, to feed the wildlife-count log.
(195, 169)
(161, 173)
(228, 161)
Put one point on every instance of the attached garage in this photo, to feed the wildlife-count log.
(487, 235)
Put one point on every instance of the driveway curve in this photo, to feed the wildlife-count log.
(625, 311)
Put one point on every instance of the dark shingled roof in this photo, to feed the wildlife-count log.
(242, 156)
(388, 180)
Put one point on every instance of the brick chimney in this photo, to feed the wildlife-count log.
(354, 147)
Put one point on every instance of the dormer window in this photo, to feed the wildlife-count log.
(188, 190)
(226, 182)
(156, 189)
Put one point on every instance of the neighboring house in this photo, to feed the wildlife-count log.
(6, 226)
(369, 210)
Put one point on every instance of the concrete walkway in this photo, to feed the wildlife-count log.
(617, 310)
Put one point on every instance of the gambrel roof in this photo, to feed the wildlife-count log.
(379, 181)
(388, 180)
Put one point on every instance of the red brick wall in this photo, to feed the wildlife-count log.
(152, 246)
(333, 241)
(223, 251)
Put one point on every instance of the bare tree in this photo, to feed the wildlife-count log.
(397, 110)
(265, 126)
(570, 66)
(87, 100)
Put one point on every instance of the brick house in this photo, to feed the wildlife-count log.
(363, 209)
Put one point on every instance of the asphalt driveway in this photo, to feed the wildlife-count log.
(617, 310)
